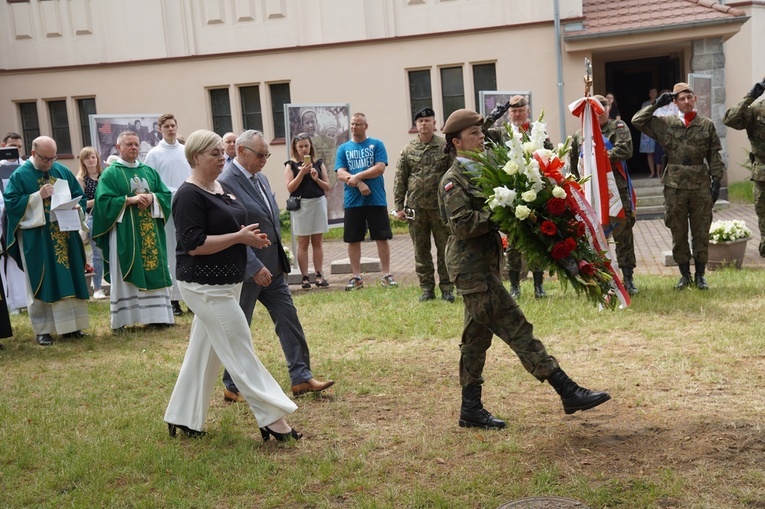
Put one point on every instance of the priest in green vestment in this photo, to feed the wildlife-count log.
(53, 260)
(129, 213)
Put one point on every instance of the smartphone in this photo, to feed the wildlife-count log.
(307, 159)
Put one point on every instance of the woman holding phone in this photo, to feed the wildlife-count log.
(307, 179)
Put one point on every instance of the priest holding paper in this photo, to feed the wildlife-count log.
(44, 202)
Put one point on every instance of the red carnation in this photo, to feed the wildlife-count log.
(586, 268)
(504, 243)
(548, 228)
(570, 244)
(560, 251)
(556, 206)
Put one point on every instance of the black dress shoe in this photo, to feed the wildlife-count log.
(44, 339)
(177, 311)
(78, 334)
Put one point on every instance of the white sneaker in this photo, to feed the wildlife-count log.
(99, 294)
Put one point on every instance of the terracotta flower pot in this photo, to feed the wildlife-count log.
(727, 254)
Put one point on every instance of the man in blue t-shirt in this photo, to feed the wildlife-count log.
(360, 164)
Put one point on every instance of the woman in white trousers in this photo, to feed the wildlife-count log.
(210, 269)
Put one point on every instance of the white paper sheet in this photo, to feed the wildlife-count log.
(63, 207)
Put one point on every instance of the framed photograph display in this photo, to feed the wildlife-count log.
(328, 125)
(701, 84)
(104, 130)
(491, 98)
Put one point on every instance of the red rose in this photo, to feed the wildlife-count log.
(556, 206)
(586, 268)
(548, 228)
(560, 251)
(570, 243)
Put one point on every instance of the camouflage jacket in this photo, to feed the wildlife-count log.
(686, 148)
(751, 117)
(474, 248)
(619, 135)
(418, 172)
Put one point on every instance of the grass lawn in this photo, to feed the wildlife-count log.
(81, 421)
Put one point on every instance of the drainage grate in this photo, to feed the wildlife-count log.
(544, 503)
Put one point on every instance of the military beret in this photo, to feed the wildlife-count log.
(602, 100)
(461, 119)
(425, 112)
(517, 101)
(681, 87)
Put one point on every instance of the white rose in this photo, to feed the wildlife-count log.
(529, 196)
(559, 192)
(522, 212)
(511, 168)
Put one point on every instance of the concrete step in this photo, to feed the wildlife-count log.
(649, 201)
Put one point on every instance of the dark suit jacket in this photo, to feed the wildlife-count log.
(272, 257)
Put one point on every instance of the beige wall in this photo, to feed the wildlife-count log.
(744, 65)
(372, 77)
(40, 33)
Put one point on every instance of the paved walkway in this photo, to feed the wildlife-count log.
(652, 241)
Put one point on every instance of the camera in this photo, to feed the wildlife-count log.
(9, 153)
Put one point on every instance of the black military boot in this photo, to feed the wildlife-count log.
(177, 310)
(574, 397)
(629, 284)
(685, 276)
(473, 414)
(699, 279)
(539, 279)
(515, 283)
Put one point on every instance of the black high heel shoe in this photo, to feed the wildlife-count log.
(191, 433)
(293, 434)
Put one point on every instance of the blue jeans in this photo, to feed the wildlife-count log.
(98, 259)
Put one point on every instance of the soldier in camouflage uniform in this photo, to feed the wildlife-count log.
(691, 185)
(473, 255)
(419, 170)
(519, 122)
(618, 141)
(751, 117)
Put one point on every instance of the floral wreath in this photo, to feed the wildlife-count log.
(541, 211)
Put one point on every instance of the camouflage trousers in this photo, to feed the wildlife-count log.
(514, 260)
(684, 207)
(759, 208)
(625, 241)
(493, 312)
(428, 222)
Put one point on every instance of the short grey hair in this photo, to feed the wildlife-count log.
(248, 136)
(200, 141)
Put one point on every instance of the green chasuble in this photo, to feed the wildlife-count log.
(55, 260)
(141, 243)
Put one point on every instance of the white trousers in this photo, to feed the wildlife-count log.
(220, 334)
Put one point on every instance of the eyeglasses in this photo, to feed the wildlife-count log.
(259, 154)
(44, 159)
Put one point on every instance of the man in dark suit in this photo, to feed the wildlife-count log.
(265, 278)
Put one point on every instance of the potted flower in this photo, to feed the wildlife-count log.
(727, 243)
